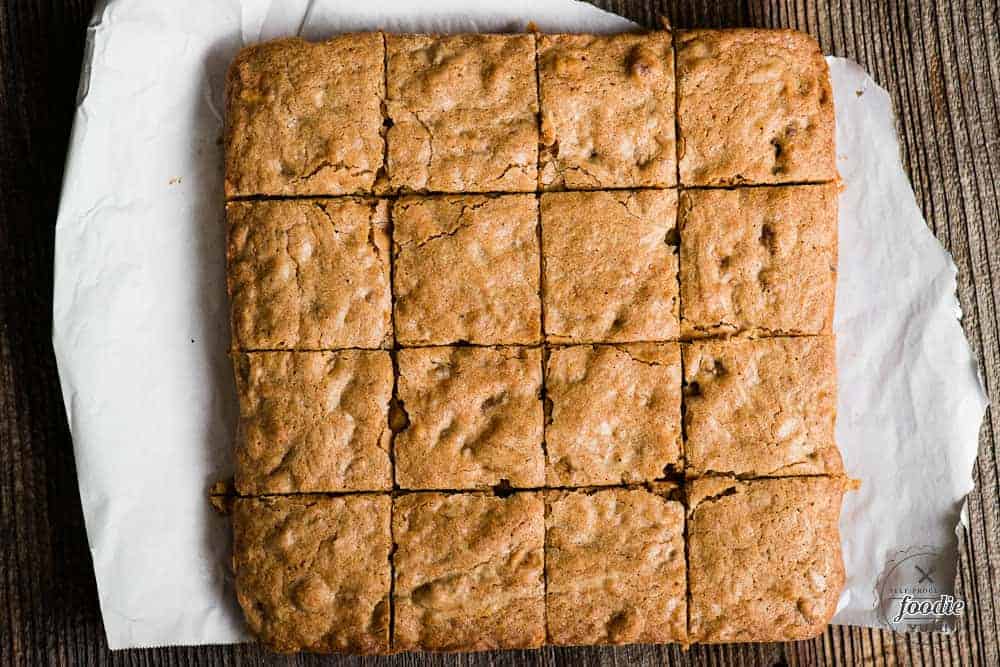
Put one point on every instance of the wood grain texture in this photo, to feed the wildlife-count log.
(939, 60)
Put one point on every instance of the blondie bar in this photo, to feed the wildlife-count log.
(313, 421)
(309, 274)
(615, 569)
(312, 572)
(474, 418)
(462, 113)
(754, 106)
(610, 266)
(614, 413)
(607, 109)
(761, 408)
(305, 118)
(468, 572)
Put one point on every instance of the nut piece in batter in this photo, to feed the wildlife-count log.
(462, 113)
(610, 266)
(313, 421)
(607, 106)
(764, 558)
(312, 572)
(309, 274)
(759, 261)
(762, 407)
(475, 418)
(305, 118)
(468, 572)
(467, 270)
(614, 413)
(754, 106)
(615, 568)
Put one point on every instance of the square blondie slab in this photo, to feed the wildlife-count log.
(467, 270)
(614, 413)
(475, 418)
(468, 572)
(305, 118)
(462, 113)
(763, 407)
(312, 572)
(607, 109)
(313, 421)
(609, 266)
(309, 274)
(764, 559)
(754, 106)
(615, 568)
(758, 261)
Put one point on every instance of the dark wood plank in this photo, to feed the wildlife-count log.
(941, 63)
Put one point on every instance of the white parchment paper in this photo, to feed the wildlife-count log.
(141, 329)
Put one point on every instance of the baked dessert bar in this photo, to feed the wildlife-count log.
(758, 261)
(761, 408)
(754, 106)
(462, 113)
(607, 111)
(468, 571)
(609, 266)
(764, 561)
(309, 274)
(533, 340)
(614, 566)
(312, 572)
(304, 118)
(474, 418)
(313, 421)
(614, 413)
(466, 270)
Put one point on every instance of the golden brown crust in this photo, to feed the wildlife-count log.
(614, 413)
(764, 558)
(755, 106)
(615, 568)
(607, 110)
(312, 572)
(466, 269)
(468, 572)
(313, 421)
(758, 261)
(759, 408)
(309, 274)
(463, 113)
(475, 418)
(610, 266)
(304, 118)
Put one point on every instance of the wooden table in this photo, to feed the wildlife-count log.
(940, 62)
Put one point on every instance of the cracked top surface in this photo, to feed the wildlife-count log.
(299, 560)
(754, 106)
(475, 418)
(615, 568)
(466, 269)
(313, 421)
(764, 558)
(763, 407)
(758, 261)
(468, 571)
(462, 112)
(614, 413)
(607, 109)
(610, 266)
(309, 274)
(304, 118)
